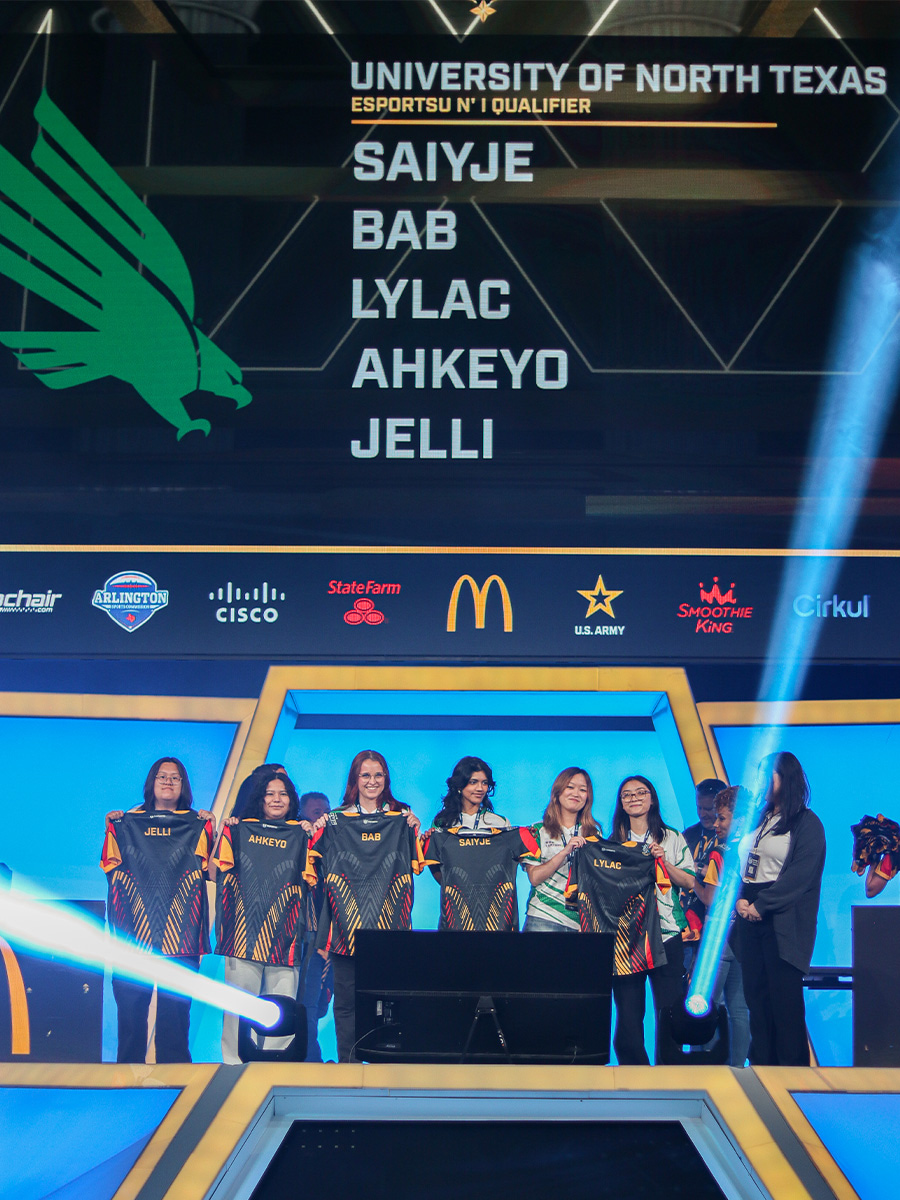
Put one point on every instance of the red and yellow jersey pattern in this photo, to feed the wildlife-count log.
(613, 887)
(155, 864)
(260, 890)
(478, 875)
(366, 862)
(889, 866)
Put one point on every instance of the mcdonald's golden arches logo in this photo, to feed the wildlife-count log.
(18, 1001)
(479, 596)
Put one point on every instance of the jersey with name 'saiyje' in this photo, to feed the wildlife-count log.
(367, 862)
(478, 876)
(155, 863)
(260, 892)
(613, 886)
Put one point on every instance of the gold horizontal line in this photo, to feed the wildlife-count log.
(537, 119)
(657, 551)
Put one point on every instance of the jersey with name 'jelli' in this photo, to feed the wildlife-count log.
(367, 862)
(155, 864)
(260, 890)
(478, 876)
(613, 885)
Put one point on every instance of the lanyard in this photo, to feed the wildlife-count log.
(763, 831)
(477, 817)
(562, 833)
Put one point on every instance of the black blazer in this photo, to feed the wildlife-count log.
(792, 901)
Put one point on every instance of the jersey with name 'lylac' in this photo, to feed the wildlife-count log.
(260, 891)
(613, 885)
(478, 876)
(367, 862)
(155, 864)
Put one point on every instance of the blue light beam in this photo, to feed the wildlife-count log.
(864, 366)
(52, 927)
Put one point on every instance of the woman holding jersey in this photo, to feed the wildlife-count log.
(567, 821)
(637, 819)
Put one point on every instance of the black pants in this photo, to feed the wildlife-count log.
(344, 967)
(773, 990)
(173, 1017)
(630, 994)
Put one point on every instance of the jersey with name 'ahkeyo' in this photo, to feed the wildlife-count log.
(613, 885)
(155, 864)
(260, 890)
(478, 876)
(366, 862)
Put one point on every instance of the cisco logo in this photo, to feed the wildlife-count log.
(236, 606)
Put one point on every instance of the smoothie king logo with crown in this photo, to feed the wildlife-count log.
(717, 611)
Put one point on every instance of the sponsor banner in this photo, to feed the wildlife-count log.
(414, 606)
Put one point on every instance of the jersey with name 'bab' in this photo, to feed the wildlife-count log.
(260, 890)
(613, 885)
(155, 864)
(367, 862)
(478, 875)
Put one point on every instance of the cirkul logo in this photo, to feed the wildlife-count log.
(815, 606)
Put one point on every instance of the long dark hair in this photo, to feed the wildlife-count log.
(185, 800)
(621, 822)
(351, 792)
(256, 798)
(552, 818)
(241, 800)
(451, 804)
(793, 796)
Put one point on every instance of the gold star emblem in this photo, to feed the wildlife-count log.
(600, 599)
(483, 10)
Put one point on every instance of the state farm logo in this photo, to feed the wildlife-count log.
(600, 600)
(363, 611)
(130, 598)
(238, 606)
(717, 610)
(28, 602)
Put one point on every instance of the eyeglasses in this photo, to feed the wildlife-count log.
(168, 779)
(638, 795)
(377, 776)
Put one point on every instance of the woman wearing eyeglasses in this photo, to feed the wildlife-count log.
(365, 855)
(637, 819)
(141, 867)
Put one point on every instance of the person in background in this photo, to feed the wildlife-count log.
(467, 803)
(729, 986)
(778, 909)
(637, 820)
(316, 983)
(700, 839)
(566, 822)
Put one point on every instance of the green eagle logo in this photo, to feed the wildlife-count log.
(129, 284)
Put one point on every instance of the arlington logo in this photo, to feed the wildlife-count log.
(129, 285)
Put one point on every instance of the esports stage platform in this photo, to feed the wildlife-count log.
(268, 1131)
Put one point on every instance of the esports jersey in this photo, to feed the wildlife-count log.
(366, 862)
(701, 843)
(613, 886)
(478, 875)
(155, 864)
(260, 891)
